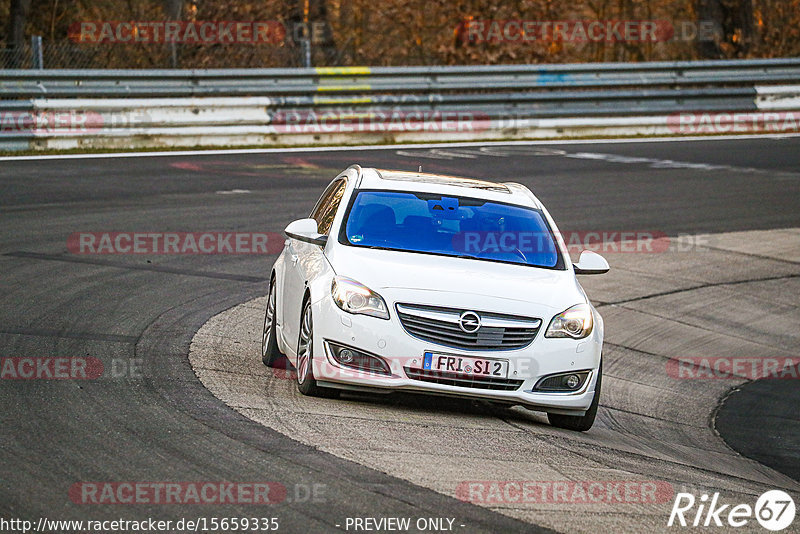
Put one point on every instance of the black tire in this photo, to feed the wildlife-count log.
(580, 423)
(306, 383)
(270, 354)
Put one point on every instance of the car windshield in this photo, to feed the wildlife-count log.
(450, 226)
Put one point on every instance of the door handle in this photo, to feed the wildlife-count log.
(294, 259)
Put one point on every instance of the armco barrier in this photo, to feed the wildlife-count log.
(59, 109)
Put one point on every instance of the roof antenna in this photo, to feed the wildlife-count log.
(420, 168)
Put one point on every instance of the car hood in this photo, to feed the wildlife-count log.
(390, 270)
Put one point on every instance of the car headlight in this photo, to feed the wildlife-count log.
(353, 297)
(576, 323)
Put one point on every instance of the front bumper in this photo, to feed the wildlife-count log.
(389, 340)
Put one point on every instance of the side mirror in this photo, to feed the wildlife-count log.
(591, 263)
(305, 230)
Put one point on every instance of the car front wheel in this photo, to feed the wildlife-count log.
(580, 423)
(270, 354)
(306, 383)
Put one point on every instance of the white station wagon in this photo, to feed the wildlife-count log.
(405, 281)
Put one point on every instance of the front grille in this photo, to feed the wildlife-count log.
(453, 379)
(441, 325)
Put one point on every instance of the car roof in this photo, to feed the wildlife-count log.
(393, 180)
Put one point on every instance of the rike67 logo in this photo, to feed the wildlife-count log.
(774, 510)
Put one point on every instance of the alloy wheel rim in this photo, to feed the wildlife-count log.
(268, 320)
(304, 354)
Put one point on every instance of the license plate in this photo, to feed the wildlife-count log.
(448, 363)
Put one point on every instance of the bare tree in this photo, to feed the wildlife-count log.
(16, 23)
(173, 9)
(733, 23)
(15, 40)
(324, 46)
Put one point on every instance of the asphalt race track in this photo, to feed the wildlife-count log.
(149, 418)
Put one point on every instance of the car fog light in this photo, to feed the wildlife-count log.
(563, 382)
(358, 359)
(573, 381)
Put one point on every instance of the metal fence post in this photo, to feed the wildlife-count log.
(307, 52)
(36, 50)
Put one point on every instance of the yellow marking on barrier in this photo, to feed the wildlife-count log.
(333, 71)
(344, 100)
(353, 87)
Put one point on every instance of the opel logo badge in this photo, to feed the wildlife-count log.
(469, 322)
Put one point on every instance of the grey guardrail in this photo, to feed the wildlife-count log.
(258, 106)
(337, 80)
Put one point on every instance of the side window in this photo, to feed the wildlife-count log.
(323, 202)
(325, 210)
